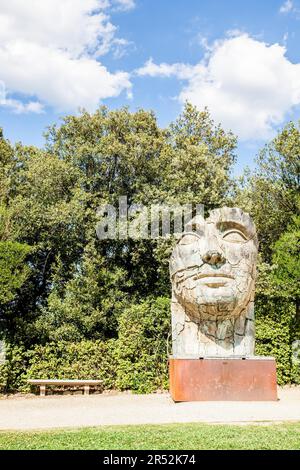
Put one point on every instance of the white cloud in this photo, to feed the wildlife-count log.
(286, 7)
(125, 4)
(248, 85)
(76, 26)
(48, 49)
(121, 48)
(290, 7)
(16, 106)
(164, 70)
(58, 79)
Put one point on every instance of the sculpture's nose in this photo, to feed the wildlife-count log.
(213, 257)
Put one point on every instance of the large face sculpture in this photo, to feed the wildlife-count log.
(213, 267)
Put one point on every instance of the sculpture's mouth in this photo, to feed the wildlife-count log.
(214, 280)
(213, 276)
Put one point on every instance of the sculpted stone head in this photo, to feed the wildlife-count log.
(213, 267)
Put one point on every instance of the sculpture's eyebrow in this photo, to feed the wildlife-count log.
(232, 224)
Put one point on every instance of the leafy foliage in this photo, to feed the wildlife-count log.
(13, 272)
(67, 360)
(274, 334)
(271, 193)
(141, 354)
(136, 360)
(286, 258)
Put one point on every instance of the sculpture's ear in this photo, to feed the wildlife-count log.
(176, 284)
(174, 298)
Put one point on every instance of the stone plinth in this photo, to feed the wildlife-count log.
(223, 379)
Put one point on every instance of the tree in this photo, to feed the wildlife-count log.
(13, 271)
(6, 163)
(118, 152)
(13, 268)
(87, 307)
(46, 211)
(53, 196)
(201, 160)
(271, 194)
(286, 258)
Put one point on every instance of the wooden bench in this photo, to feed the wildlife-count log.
(64, 383)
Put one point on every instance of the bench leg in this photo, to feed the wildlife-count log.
(42, 390)
(86, 390)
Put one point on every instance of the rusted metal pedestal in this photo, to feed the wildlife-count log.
(223, 379)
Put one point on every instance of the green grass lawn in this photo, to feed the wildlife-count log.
(163, 437)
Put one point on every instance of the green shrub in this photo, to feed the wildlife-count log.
(61, 360)
(275, 333)
(295, 373)
(14, 368)
(136, 361)
(3, 378)
(83, 360)
(141, 352)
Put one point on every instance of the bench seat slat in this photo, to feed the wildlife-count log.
(64, 382)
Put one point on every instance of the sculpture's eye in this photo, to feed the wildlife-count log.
(188, 240)
(234, 236)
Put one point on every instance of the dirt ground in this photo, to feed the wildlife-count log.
(63, 411)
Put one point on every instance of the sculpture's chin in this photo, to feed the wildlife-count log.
(216, 294)
(212, 303)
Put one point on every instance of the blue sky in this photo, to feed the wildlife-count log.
(241, 59)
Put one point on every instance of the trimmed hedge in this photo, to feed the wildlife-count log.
(275, 334)
(87, 359)
(141, 349)
(137, 360)
(83, 360)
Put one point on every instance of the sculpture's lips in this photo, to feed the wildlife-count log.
(214, 280)
(213, 275)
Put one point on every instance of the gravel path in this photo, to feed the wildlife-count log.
(20, 413)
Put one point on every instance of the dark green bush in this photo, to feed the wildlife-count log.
(275, 334)
(141, 352)
(137, 360)
(12, 372)
(3, 378)
(84, 360)
(61, 360)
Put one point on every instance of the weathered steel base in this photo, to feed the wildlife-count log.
(224, 379)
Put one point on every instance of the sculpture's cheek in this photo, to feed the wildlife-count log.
(233, 254)
(239, 253)
(184, 257)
